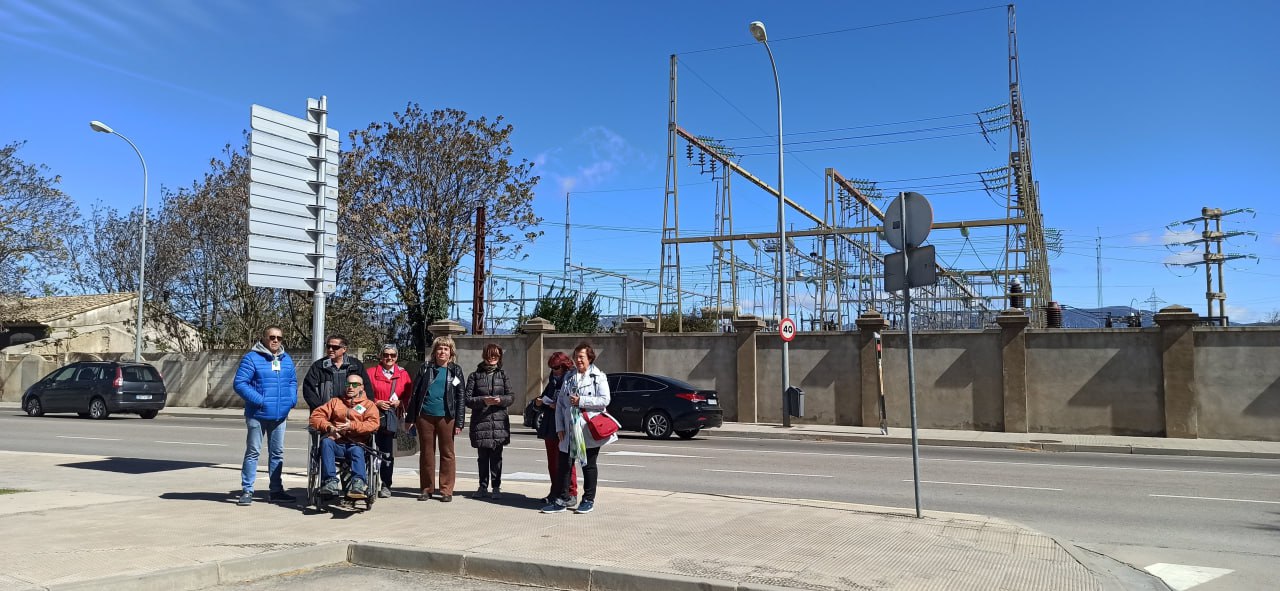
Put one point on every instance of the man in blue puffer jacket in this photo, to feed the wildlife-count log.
(268, 383)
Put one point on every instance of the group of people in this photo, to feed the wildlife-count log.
(350, 405)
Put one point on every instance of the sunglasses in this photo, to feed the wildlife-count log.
(355, 385)
(336, 347)
(275, 337)
(389, 355)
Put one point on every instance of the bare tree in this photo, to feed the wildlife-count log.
(35, 215)
(414, 184)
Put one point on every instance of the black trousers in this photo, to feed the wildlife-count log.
(387, 445)
(489, 461)
(589, 475)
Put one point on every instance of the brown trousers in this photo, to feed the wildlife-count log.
(436, 432)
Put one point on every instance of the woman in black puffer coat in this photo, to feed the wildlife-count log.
(488, 395)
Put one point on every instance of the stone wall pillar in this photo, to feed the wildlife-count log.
(1013, 356)
(871, 381)
(445, 328)
(635, 327)
(1178, 362)
(535, 370)
(745, 329)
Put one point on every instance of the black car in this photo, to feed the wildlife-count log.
(659, 405)
(95, 389)
(656, 405)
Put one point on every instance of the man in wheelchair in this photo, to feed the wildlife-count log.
(344, 424)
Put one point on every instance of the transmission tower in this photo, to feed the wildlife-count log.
(1213, 255)
(669, 294)
(1155, 301)
(1025, 252)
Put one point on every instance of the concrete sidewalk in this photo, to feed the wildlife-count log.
(1049, 442)
(89, 517)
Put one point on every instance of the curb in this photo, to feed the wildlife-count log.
(553, 574)
(210, 574)
(548, 574)
(1120, 576)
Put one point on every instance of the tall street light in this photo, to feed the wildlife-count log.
(142, 250)
(757, 31)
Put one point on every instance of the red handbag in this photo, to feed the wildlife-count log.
(602, 426)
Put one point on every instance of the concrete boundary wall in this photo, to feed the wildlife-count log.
(1173, 380)
(1105, 381)
(1237, 383)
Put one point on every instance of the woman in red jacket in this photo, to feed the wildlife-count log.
(392, 388)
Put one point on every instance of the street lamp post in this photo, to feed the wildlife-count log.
(142, 250)
(757, 31)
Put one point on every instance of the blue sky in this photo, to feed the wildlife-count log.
(1141, 112)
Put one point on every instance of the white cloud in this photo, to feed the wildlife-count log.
(1184, 257)
(1171, 238)
(595, 157)
(1241, 314)
(1179, 236)
(1142, 238)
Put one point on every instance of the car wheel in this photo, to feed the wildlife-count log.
(98, 409)
(688, 433)
(148, 414)
(657, 425)
(34, 408)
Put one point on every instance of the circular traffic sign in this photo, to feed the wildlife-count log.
(787, 329)
(918, 220)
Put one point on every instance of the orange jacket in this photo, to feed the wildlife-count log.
(358, 411)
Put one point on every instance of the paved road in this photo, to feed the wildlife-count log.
(1220, 515)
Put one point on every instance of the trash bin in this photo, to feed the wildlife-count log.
(795, 402)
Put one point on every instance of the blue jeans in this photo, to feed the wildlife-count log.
(331, 450)
(274, 432)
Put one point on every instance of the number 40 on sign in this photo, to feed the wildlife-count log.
(787, 329)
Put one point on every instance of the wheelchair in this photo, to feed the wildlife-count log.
(324, 502)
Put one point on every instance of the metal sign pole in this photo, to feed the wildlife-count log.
(911, 357)
(318, 296)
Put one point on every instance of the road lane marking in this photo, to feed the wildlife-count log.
(193, 443)
(1185, 576)
(528, 476)
(990, 485)
(771, 473)
(93, 438)
(645, 454)
(1216, 499)
(617, 465)
(1034, 464)
(1208, 472)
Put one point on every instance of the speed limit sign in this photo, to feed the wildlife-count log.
(787, 329)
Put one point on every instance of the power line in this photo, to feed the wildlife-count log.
(833, 129)
(851, 29)
(859, 137)
(920, 139)
(740, 112)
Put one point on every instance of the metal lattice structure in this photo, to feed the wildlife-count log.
(844, 265)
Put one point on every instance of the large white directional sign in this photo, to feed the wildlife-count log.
(293, 199)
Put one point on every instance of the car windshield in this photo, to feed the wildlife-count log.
(139, 373)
